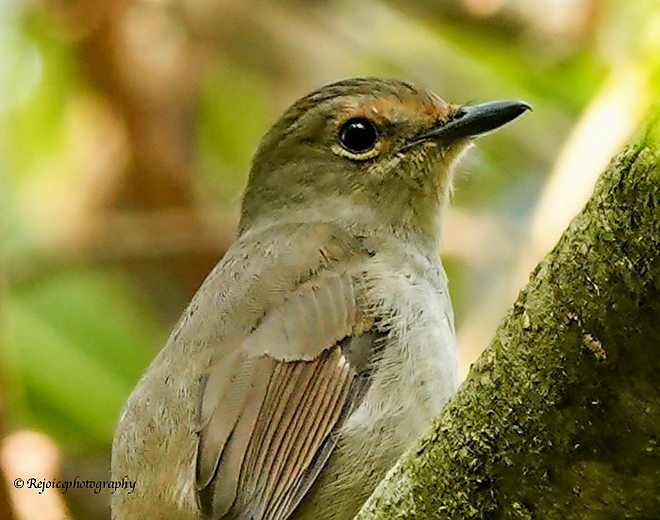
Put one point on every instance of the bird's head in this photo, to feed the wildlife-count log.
(365, 149)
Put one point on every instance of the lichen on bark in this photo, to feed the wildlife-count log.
(560, 416)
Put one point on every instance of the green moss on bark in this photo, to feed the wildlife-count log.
(560, 416)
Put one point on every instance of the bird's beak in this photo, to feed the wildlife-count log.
(472, 120)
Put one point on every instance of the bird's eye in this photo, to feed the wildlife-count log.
(358, 135)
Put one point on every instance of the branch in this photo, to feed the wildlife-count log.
(559, 418)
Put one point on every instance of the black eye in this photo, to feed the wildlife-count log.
(358, 135)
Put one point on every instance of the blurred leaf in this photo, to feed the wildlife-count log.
(78, 342)
(233, 116)
(34, 127)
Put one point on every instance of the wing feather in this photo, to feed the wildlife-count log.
(229, 459)
(276, 421)
(270, 406)
(283, 372)
(292, 439)
(237, 369)
(309, 438)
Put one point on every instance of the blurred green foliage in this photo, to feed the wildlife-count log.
(232, 110)
(77, 342)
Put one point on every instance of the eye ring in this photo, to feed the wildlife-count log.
(358, 135)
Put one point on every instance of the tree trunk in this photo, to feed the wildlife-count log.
(560, 417)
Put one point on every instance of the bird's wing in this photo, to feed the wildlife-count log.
(272, 401)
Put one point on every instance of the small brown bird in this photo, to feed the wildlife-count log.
(323, 343)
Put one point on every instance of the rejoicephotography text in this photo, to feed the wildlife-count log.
(76, 483)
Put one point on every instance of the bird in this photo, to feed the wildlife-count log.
(322, 344)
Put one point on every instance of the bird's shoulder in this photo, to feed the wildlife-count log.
(260, 271)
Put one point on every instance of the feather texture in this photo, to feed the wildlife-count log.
(271, 403)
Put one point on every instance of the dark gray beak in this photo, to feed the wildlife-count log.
(471, 120)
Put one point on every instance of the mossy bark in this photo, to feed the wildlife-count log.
(560, 417)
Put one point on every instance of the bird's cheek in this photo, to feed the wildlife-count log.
(441, 177)
(432, 166)
(454, 152)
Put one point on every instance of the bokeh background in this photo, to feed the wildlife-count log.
(126, 132)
